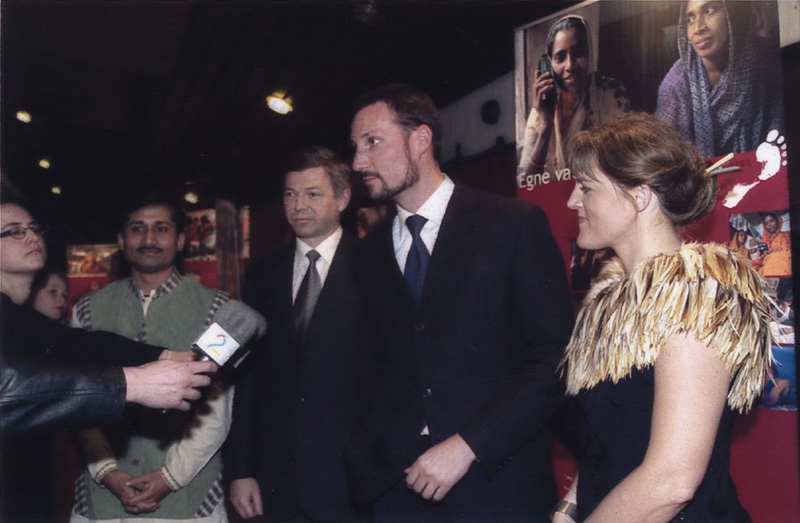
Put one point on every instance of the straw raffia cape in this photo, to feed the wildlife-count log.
(703, 289)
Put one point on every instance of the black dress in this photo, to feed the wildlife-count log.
(615, 430)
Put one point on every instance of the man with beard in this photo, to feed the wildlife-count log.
(469, 294)
(165, 464)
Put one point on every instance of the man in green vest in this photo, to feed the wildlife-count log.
(166, 465)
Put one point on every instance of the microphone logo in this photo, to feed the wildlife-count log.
(217, 344)
(221, 343)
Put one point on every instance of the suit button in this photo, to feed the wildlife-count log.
(427, 393)
(419, 327)
(302, 398)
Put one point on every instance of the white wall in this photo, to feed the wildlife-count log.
(462, 124)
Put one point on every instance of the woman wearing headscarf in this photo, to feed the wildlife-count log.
(568, 99)
(724, 91)
(739, 244)
(776, 260)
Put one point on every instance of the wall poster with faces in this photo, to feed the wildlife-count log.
(588, 65)
(712, 70)
(591, 64)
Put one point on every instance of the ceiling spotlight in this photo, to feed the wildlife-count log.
(279, 104)
(191, 197)
(55, 189)
(24, 116)
(44, 163)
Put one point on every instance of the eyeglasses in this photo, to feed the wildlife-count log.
(18, 232)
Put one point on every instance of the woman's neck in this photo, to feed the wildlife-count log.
(714, 69)
(661, 241)
(16, 287)
(567, 102)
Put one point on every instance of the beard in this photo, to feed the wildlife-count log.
(384, 191)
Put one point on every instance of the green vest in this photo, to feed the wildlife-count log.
(140, 442)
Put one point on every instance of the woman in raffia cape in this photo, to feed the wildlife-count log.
(672, 339)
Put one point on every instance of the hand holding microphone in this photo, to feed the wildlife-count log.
(166, 384)
(234, 324)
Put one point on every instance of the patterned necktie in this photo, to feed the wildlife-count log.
(418, 256)
(307, 295)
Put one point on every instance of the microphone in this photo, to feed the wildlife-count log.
(234, 325)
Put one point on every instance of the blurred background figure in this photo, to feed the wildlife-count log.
(49, 293)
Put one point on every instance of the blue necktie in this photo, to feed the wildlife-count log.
(418, 256)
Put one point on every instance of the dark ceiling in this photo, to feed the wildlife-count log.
(127, 95)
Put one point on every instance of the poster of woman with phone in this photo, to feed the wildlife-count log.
(567, 97)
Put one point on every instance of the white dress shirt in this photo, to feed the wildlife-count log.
(433, 209)
(326, 250)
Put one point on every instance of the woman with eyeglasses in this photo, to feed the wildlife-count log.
(108, 369)
(28, 458)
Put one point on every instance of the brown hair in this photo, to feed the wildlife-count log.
(40, 281)
(412, 107)
(638, 149)
(317, 156)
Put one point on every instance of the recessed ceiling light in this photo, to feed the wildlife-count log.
(55, 189)
(279, 104)
(44, 163)
(24, 116)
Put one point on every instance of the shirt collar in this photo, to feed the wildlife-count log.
(168, 286)
(434, 207)
(326, 249)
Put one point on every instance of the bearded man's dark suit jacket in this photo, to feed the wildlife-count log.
(477, 357)
(298, 404)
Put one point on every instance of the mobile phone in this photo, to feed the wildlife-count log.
(546, 66)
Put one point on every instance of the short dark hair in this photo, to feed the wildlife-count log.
(317, 156)
(149, 199)
(639, 149)
(412, 107)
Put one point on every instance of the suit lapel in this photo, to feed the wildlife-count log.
(452, 233)
(339, 270)
(283, 289)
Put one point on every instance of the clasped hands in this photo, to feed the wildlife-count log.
(138, 495)
(439, 468)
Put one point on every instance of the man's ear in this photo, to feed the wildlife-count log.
(344, 199)
(120, 242)
(180, 241)
(422, 139)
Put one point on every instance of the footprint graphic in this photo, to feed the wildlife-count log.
(737, 194)
(771, 155)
